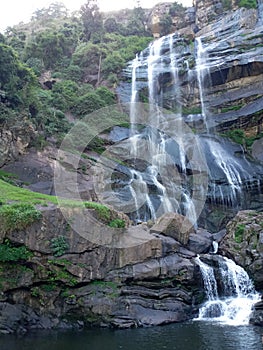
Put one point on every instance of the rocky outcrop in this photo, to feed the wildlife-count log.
(257, 314)
(155, 281)
(180, 18)
(14, 141)
(244, 243)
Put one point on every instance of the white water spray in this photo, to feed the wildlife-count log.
(234, 307)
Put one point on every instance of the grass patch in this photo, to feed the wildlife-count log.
(231, 108)
(249, 4)
(103, 212)
(18, 211)
(7, 177)
(10, 193)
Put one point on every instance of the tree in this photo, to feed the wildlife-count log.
(87, 57)
(176, 9)
(113, 63)
(110, 25)
(106, 95)
(64, 94)
(137, 24)
(50, 46)
(91, 19)
(16, 79)
(16, 38)
(87, 104)
(54, 11)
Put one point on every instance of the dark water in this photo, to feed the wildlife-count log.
(188, 336)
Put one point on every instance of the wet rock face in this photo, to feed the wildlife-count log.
(244, 244)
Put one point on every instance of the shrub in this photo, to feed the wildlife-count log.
(118, 223)
(113, 63)
(87, 104)
(59, 246)
(106, 95)
(236, 135)
(18, 216)
(11, 253)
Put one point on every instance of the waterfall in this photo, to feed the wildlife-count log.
(161, 58)
(202, 71)
(209, 280)
(238, 294)
(231, 169)
(175, 74)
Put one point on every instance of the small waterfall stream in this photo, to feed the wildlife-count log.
(237, 294)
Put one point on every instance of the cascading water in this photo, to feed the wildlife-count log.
(173, 74)
(165, 199)
(237, 293)
(236, 176)
(202, 70)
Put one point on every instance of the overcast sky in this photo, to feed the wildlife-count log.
(15, 11)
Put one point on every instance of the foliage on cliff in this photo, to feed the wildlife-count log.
(57, 63)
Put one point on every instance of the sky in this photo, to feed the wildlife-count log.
(15, 11)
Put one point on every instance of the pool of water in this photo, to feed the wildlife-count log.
(194, 335)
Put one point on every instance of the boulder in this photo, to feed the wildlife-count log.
(201, 242)
(174, 225)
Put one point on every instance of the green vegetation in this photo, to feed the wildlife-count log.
(10, 253)
(104, 213)
(249, 4)
(238, 136)
(7, 177)
(227, 5)
(231, 108)
(192, 110)
(61, 274)
(77, 57)
(17, 216)
(10, 193)
(59, 245)
(239, 233)
(118, 223)
(21, 214)
(108, 287)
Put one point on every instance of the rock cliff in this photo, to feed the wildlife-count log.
(154, 281)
